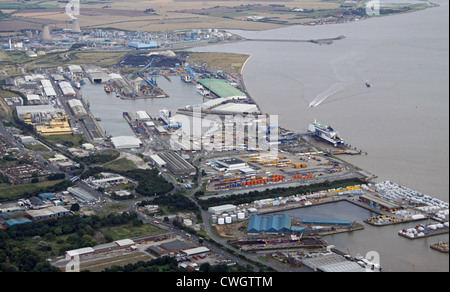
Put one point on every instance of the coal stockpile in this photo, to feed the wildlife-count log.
(141, 60)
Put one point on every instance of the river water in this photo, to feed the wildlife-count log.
(402, 120)
(109, 108)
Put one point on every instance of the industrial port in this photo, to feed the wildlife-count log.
(222, 159)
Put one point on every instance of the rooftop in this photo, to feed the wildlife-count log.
(221, 88)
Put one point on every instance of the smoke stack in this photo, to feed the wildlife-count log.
(76, 26)
(46, 34)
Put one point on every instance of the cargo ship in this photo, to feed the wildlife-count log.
(326, 133)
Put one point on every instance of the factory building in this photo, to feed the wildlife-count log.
(75, 69)
(57, 126)
(34, 99)
(126, 142)
(177, 165)
(77, 108)
(41, 110)
(380, 203)
(67, 88)
(218, 210)
(270, 224)
(99, 77)
(143, 46)
(236, 108)
(158, 161)
(81, 195)
(143, 116)
(47, 213)
(230, 164)
(48, 88)
(332, 262)
(222, 89)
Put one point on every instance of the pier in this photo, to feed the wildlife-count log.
(317, 41)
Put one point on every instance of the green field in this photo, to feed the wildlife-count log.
(67, 140)
(12, 192)
(118, 233)
(115, 207)
(122, 164)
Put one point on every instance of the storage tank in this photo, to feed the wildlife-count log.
(221, 221)
(233, 218)
(228, 219)
(241, 215)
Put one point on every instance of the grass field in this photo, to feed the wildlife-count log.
(221, 61)
(11, 192)
(118, 233)
(115, 207)
(68, 140)
(171, 14)
(122, 164)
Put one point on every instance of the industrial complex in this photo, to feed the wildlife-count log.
(242, 175)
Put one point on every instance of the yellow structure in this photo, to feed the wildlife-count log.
(57, 126)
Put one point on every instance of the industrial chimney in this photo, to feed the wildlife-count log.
(46, 34)
(76, 26)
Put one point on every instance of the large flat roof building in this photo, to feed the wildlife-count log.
(77, 107)
(126, 142)
(177, 164)
(269, 224)
(222, 89)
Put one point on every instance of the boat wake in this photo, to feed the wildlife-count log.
(324, 95)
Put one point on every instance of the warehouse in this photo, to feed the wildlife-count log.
(48, 213)
(177, 165)
(231, 164)
(332, 262)
(48, 88)
(222, 89)
(143, 116)
(269, 224)
(236, 108)
(75, 69)
(81, 195)
(143, 46)
(218, 210)
(126, 142)
(158, 161)
(99, 77)
(66, 88)
(16, 221)
(326, 222)
(77, 107)
(71, 254)
(195, 250)
(33, 99)
(381, 203)
(40, 110)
